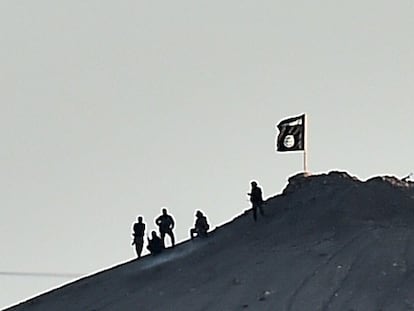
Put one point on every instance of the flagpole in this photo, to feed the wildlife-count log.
(305, 138)
(305, 168)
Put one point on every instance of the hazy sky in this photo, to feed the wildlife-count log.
(113, 109)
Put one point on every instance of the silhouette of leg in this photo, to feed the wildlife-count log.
(162, 234)
(138, 247)
(254, 212)
(171, 234)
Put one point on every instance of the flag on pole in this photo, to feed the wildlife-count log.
(291, 134)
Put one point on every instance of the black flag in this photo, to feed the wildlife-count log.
(291, 134)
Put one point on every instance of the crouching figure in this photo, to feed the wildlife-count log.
(201, 226)
(155, 245)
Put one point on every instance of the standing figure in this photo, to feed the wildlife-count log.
(256, 199)
(155, 245)
(166, 224)
(201, 226)
(138, 234)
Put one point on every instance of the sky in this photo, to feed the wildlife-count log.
(113, 110)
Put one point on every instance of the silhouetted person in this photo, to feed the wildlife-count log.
(138, 233)
(201, 226)
(166, 224)
(155, 245)
(256, 199)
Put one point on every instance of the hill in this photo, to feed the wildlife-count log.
(328, 242)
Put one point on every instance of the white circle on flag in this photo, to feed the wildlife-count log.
(289, 141)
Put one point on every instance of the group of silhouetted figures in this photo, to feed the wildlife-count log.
(166, 224)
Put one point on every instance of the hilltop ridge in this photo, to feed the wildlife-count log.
(327, 242)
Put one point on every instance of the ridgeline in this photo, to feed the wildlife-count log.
(328, 242)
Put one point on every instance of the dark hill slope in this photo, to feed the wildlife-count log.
(329, 242)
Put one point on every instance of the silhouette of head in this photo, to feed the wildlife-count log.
(199, 214)
(154, 234)
(140, 219)
(253, 183)
(164, 211)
